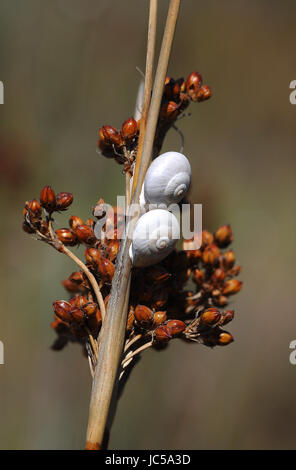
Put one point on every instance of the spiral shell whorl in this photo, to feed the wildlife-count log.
(154, 237)
(167, 179)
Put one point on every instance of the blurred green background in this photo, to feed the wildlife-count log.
(68, 67)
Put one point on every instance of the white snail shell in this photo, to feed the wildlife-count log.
(167, 179)
(154, 237)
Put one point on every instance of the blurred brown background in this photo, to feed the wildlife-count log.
(68, 67)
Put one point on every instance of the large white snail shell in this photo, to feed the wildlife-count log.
(154, 237)
(167, 179)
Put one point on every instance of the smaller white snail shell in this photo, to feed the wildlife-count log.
(167, 179)
(154, 237)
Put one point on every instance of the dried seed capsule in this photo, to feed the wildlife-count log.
(62, 310)
(34, 208)
(66, 236)
(48, 199)
(76, 277)
(72, 287)
(224, 338)
(198, 276)
(78, 301)
(93, 256)
(228, 259)
(207, 238)
(63, 200)
(227, 317)
(159, 317)
(143, 314)
(223, 236)
(169, 110)
(106, 269)
(74, 221)
(162, 334)
(175, 327)
(221, 301)
(232, 286)
(203, 94)
(210, 316)
(193, 83)
(77, 315)
(90, 223)
(85, 234)
(130, 318)
(210, 255)
(218, 275)
(110, 135)
(129, 129)
(90, 308)
(112, 249)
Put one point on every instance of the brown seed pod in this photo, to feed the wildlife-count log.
(63, 201)
(162, 334)
(76, 277)
(169, 110)
(62, 310)
(74, 221)
(193, 84)
(110, 135)
(48, 199)
(90, 309)
(85, 234)
(143, 315)
(228, 259)
(78, 301)
(159, 317)
(220, 301)
(112, 249)
(129, 129)
(198, 276)
(207, 238)
(226, 317)
(66, 236)
(210, 316)
(34, 208)
(106, 269)
(224, 338)
(203, 94)
(223, 236)
(232, 286)
(175, 327)
(210, 255)
(73, 287)
(218, 275)
(77, 315)
(93, 256)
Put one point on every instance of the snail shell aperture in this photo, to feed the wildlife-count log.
(154, 237)
(167, 179)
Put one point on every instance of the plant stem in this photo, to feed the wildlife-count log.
(113, 329)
